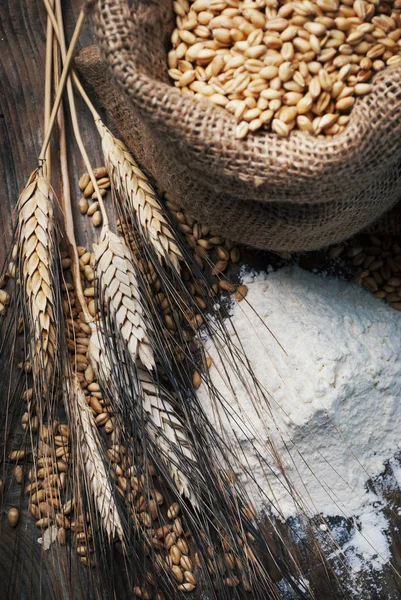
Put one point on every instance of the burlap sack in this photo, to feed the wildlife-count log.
(296, 193)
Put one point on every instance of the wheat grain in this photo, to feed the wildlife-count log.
(119, 289)
(97, 218)
(98, 481)
(37, 244)
(13, 516)
(138, 197)
(378, 262)
(264, 58)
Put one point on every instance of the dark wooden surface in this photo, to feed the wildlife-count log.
(26, 571)
(22, 66)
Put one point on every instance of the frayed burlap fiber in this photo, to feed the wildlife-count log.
(296, 193)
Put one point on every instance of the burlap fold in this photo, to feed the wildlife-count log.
(295, 193)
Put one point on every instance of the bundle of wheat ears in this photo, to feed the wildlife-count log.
(122, 455)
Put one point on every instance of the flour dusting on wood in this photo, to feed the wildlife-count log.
(329, 356)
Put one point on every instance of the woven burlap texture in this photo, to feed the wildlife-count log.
(296, 193)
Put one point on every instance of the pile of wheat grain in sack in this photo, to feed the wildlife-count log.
(291, 73)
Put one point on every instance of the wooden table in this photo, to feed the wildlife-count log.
(26, 571)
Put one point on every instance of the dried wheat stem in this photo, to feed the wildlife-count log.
(119, 289)
(49, 5)
(58, 27)
(63, 79)
(90, 449)
(84, 95)
(37, 248)
(117, 279)
(48, 86)
(138, 197)
(66, 195)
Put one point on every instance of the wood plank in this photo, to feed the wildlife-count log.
(25, 571)
(22, 38)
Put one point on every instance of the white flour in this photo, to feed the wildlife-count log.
(335, 392)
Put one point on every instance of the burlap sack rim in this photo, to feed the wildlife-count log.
(264, 148)
(277, 226)
(275, 202)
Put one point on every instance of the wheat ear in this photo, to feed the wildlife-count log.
(162, 425)
(37, 251)
(167, 432)
(36, 242)
(90, 449)
(116, 276)
(138, 197)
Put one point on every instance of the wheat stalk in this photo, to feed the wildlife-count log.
(96, 475)
(119, 290)
(138, 197)
(63, 79)
(162, 425)
(37, 243)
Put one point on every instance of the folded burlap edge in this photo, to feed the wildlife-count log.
(95, 72)
(264, 167)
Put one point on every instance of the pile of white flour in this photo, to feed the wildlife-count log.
(329, 355)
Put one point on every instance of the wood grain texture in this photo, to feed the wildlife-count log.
(26, 572)
(22, 44)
